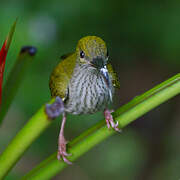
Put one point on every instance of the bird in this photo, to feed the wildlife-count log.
(83, 83)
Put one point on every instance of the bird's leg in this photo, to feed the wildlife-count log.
(54, 110)
(62, 143)
(110, 121)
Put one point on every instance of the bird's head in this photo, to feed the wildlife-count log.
(91, 50)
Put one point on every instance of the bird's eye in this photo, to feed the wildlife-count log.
(82, 54)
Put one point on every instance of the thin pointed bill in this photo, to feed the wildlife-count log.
(105, 73)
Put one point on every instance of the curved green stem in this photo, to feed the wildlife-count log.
(25, 137)
(39, 122)
(93, 136)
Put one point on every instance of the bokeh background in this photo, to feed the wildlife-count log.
(143, 38)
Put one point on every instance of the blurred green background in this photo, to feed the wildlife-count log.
(143, 38)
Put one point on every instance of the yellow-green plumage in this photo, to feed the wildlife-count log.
(115, 80)
(85, 81)
(62, 74)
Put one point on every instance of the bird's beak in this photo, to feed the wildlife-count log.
(104, 72)
(99, 64)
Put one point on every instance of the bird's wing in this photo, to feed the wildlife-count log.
(115, 80)
(61, 76)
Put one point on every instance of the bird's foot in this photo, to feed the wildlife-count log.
(55, 109)
(62, 151)
(110, 121)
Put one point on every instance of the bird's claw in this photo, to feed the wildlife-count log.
(110, 121)
(115, 126)
(62, 152)
(63, 156)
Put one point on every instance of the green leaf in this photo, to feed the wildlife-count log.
(3, 55)
(15, 78)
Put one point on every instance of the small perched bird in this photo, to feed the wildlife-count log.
(84, 81)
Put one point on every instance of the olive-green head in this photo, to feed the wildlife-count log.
(92, 50)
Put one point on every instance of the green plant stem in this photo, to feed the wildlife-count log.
(15, 78)
(93, 136)
(39, 122)
(25, 137)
